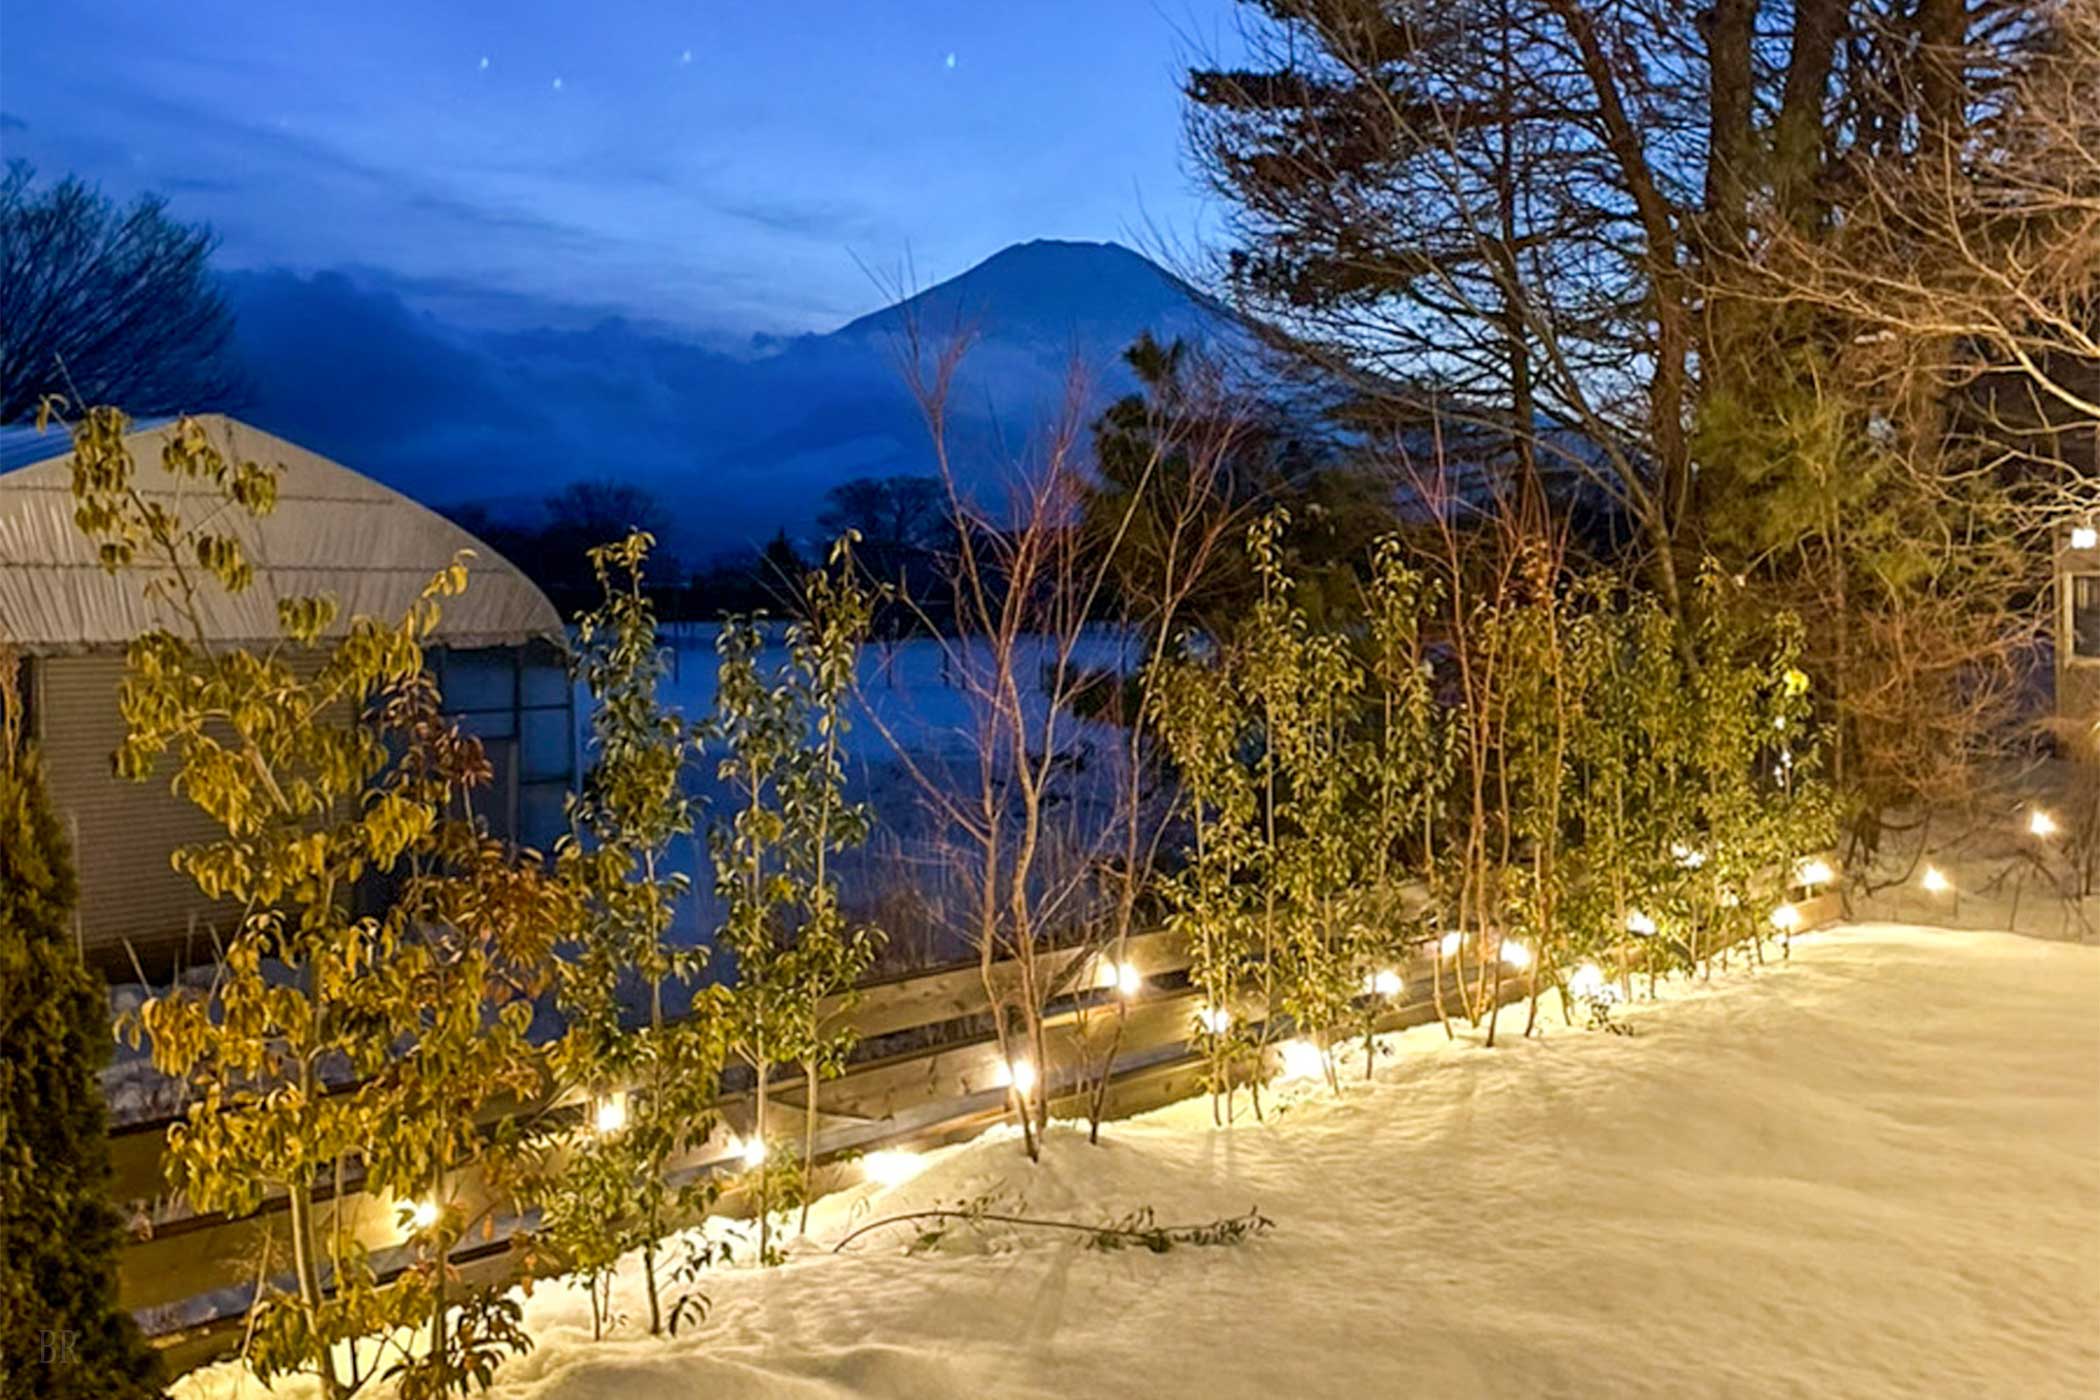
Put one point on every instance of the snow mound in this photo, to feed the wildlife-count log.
(1873, 1171)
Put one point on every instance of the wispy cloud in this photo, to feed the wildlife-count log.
(734, 188)
(836, 221)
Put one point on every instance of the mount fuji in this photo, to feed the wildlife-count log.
(738, 445)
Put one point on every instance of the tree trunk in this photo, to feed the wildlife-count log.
(306, 1268)
(809, 1137)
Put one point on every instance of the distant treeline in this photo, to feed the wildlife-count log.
(903, 523)
(1182, 426)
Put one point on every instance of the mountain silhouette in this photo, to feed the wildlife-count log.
(739, 445)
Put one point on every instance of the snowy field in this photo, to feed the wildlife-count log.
(1872, 1172)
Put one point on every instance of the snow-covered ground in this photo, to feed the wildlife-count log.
(1874, 1171)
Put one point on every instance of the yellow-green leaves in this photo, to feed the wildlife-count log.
(318, 775)
(303, 620)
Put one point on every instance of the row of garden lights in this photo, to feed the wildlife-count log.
(2040, 825)
(1300, 1059)
(1128, 981)
(609, 1118)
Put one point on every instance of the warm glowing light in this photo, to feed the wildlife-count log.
(1690, 857)
(1786, 918)
(1515, 954)
(1383, 983)
(1123, 977)
(891, 1167)
(1452, 942)
(422, 1215)
(1811, 873)
(1215, 1019)
(1020, 1074)
(2085, 537)
(2040, 823)
(1302, 1060)
(752, 1150)
(609, 1115)
(1934, 882)
(1640, 924)
(1587, 982)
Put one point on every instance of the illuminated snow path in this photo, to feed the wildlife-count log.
(1873, 1172)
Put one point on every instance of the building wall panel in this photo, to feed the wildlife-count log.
(123, 833)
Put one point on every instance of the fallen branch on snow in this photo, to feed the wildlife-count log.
(1135, 1229)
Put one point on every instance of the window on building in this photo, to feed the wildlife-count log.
(2085, 616)
(518, 701)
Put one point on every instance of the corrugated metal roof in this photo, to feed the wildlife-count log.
(333, 532)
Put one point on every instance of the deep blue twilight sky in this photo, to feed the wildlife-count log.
(722, 168)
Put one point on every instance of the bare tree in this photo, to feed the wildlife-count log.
(1049, 822)
(1920, 397)
(1967, 271)
(1508, 213)
(1166, 505)
(102, 305)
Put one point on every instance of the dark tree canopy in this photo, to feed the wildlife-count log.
(1533, 205)
(903, 522)
(1186, 459)
(103, 304)
(553, 552)
(891, 512)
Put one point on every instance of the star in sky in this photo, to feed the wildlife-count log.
(773, 227)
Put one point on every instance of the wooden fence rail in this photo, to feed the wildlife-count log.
(190, 1277)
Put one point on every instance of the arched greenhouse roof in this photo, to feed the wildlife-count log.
(333, 532)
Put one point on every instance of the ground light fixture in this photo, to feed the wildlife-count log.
(1124, 977)
(1020, 1077)
(1934, 882)
(1451, 943)
(1810, 873)
(2040, 823)
(421, 1216)
(1383, 983)
(1215, 1019)
(609, 1115)
(1515, 954)
(752, 1150)
(1786, 918)
(2085, 537)
(891, 1166)
(1587, 982)
(1302, 1060)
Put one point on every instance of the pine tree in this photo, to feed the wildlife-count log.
(61, 1332)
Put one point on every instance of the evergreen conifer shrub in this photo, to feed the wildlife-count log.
(62, 1334)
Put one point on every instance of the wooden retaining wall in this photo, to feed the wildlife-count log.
(188, 1276)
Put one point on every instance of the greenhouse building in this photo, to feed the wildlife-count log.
(497, 655)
